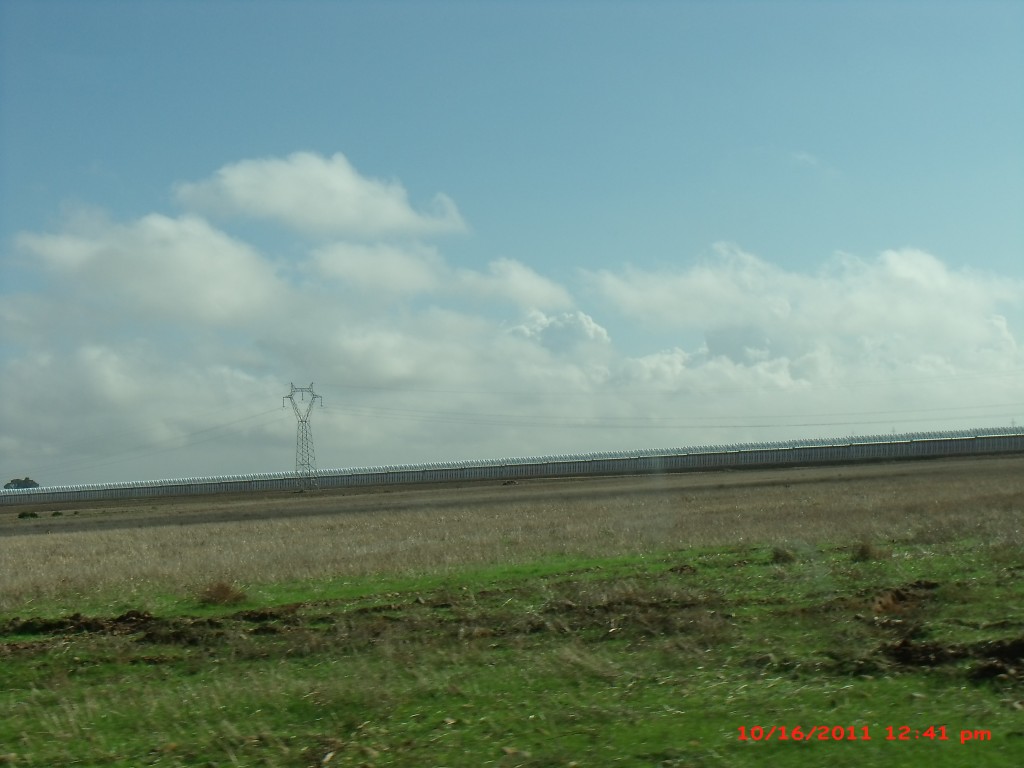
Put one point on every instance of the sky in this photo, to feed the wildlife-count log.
(497, 229)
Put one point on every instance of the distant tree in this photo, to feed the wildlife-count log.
(28, 482)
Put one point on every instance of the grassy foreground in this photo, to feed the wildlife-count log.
(653, 660)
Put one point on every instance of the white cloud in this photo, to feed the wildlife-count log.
(665, 368)
(511, 280)
(158, 267)
(901, 306)
(320, 196)
(564, 332)
(381, 268)
(103, 370)
(710, 294)
(386, 270)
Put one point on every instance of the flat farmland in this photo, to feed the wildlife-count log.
(177, 542)
(642, 620)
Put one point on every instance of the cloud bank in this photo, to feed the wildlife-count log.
(902, 308)
(161, 346)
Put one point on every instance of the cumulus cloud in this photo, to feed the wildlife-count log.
(388, 270)
(158, 266)
(564, 332)
(511, 280)
(720, 292)
(901, 306)
(319, 196)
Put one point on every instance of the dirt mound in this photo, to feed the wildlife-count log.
(994, 659)
(923, 654)
(189, 632)
(286, 614)
(127, 623)
(683, 569)
(902, 599)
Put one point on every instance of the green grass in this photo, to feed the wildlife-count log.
(631, 661)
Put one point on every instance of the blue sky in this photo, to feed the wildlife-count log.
(489, 229)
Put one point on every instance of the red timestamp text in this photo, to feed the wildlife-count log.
(858, 733)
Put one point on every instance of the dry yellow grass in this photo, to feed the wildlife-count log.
(185, 544)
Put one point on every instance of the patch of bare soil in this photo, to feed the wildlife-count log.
(898, 609)
(992, 659)
(125, 624)
(598, 610)
(594, 611)
(900, 600)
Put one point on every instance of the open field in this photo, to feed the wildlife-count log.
(610, 621)
(168, 544)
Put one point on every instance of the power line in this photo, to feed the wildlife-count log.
(632, 388)
(565, 421)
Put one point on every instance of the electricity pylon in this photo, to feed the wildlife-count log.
(305, 457)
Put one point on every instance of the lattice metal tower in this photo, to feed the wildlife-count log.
(305, 456)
